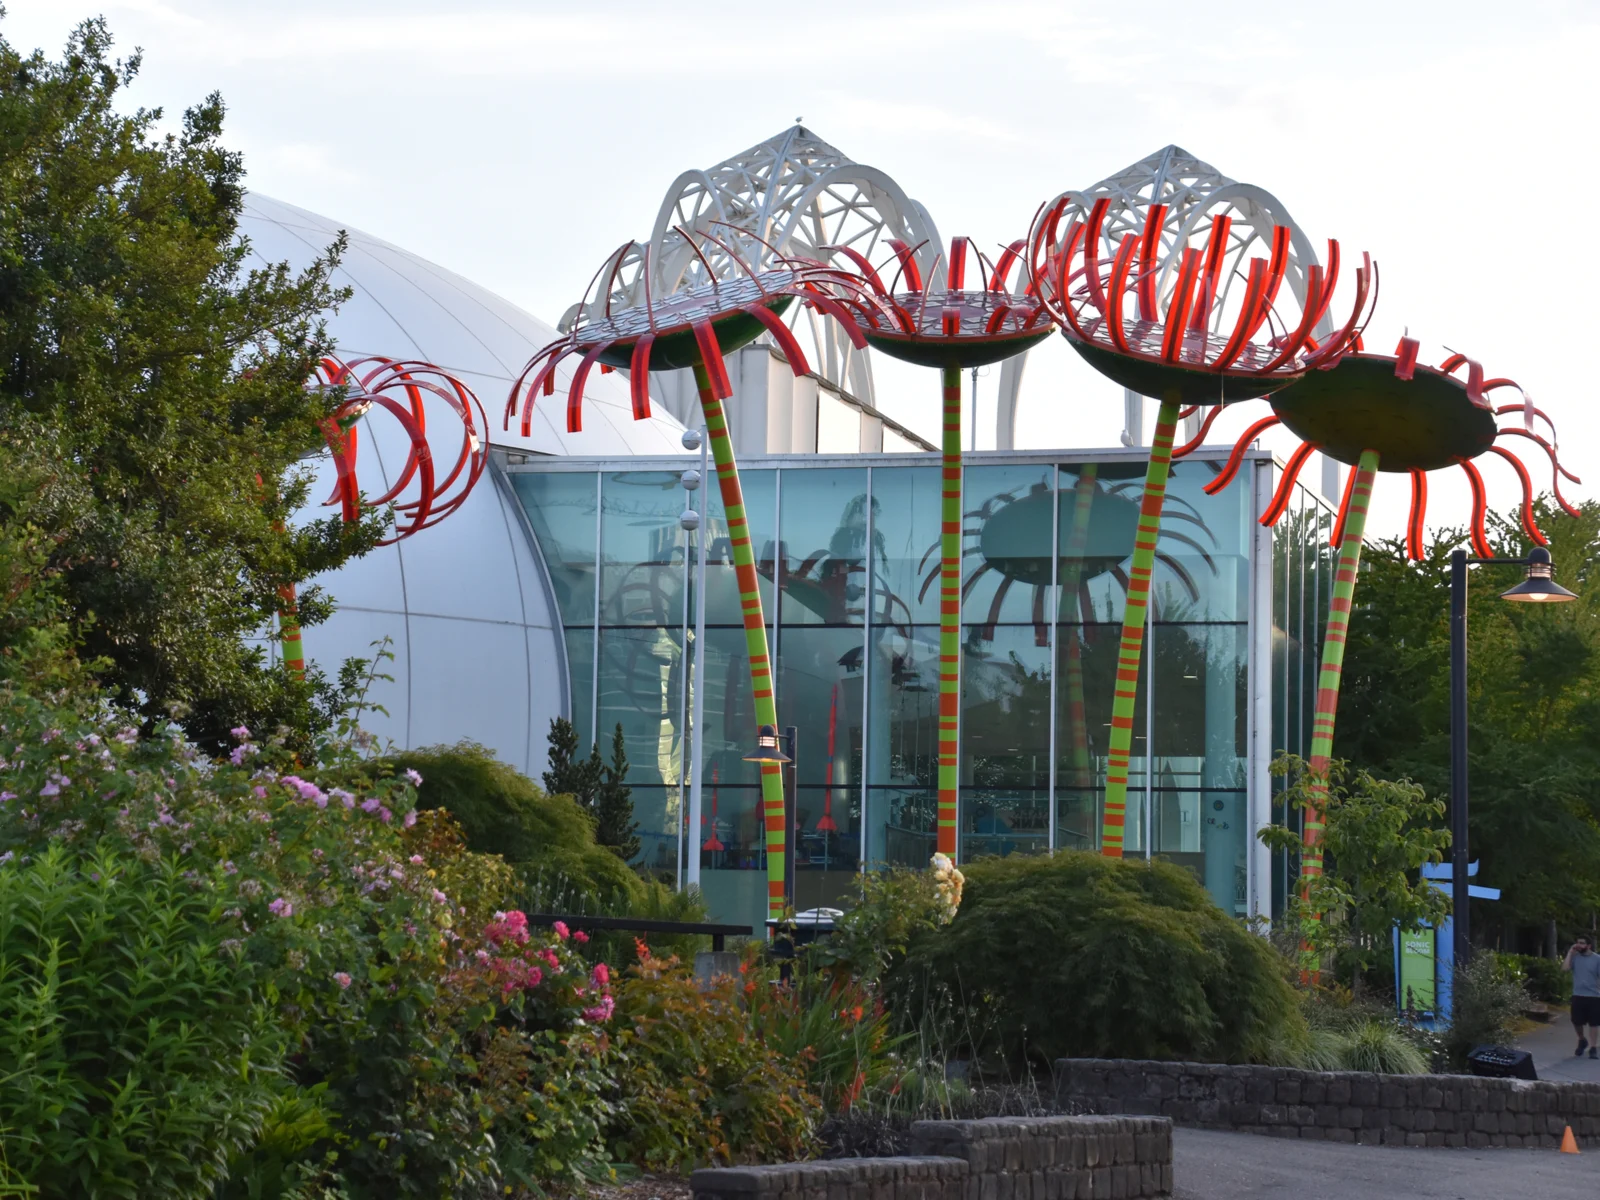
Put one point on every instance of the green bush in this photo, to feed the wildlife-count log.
(1543, 977)
(1487, 1002)
(695, 1085)
(891, 907)
(1081, 955)
(503, 812)
(136, 1058)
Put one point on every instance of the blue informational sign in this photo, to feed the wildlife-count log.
(1413, 978)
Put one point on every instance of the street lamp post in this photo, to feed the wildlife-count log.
(692, 520)
(783, 749)
(1538, 587)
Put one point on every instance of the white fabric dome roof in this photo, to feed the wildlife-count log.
(403, 306)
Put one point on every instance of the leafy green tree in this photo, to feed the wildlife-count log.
(570, 775)
(1379, 832)
(1534, 708)
(615, 827)
(155, 384)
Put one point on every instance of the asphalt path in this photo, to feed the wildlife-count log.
(1209, 1165)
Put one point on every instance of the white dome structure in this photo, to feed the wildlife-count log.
(466, 604)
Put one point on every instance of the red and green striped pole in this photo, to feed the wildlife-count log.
(755, 629)
(950, 615)
(1133, 621)
(1333, 643)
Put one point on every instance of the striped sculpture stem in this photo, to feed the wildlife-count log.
(1134, 612)
(1333, 643)
(950, 615)
(755, 629)
(1080, 774)
(293, 650)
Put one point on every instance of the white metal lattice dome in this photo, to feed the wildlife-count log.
(466, 604)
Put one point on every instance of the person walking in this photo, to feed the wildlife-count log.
(1584, 964)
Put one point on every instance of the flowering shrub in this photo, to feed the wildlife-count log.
(430, 1042)
(893, 907)
(695, 1083)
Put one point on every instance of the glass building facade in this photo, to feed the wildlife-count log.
(848, 557)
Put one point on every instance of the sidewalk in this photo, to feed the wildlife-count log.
(1552, 1045)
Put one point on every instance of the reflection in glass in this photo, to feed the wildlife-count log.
(641, 548)
(824, 547)
(1005, 741)
(580, 666)
(561, 507)
(1005, 547)
(760, 489)
(905, 525)
(902, 751)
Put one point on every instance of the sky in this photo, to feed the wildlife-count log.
(518, 143)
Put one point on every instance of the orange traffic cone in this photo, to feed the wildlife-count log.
(1569, 1144)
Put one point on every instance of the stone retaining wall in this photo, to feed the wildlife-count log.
(1336, 1106)
(1001, 1158)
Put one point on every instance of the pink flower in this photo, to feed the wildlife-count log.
(560, 928)
(50, 789)
(600, 976)
(439, 897)
(341, 794)
(416, 860)
(580, 937)
(371, 804)
(385, 815)
(483, 956)
(416, 780)
(349, 800)
(239, 732)
(4, 796)
(259, 792)
(342, 978)
(411, 819)
(601, 1011)
(281, 908)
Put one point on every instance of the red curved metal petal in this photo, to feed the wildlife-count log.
(1285, 492)
(1528, 523)
(1255, 290)
(1236, 459)
(1199, 438)
(580, 378)
(1480, 510)
(1216, 252)
(639, 376)
(784, 336)
(1002, 269)
(1091, 253)
(1418, 514)
(1118, 289)
(1182, 299)
(908, 264)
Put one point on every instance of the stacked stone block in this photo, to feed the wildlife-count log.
(1337, 1106)
(1001, 1158)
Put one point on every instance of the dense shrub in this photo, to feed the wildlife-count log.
(1543, 977)
(136, 1057)
(422, 1041)
(890, 908)
(1486, 1003)
(1076, 954)
(544, 838)
(695, 1085)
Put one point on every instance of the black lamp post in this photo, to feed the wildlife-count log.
(773, 747)
(1538, 587)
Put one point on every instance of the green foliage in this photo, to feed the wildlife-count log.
(543, 837)
(893, 906)
(157, 384)
(833, 1025)
(1080, 955)
(1542, 977)
(696, 1086)
(569, 775)
(1378, 833)
(1534, 704)
(1487, 1003)
(615, 828)
(135, 1056)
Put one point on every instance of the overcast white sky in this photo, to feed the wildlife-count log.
(518, 143)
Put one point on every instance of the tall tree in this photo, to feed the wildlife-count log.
(569, 775)
(156, 384)
(1534, 707)
(615, 827)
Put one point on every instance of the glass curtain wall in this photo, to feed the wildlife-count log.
(848, 557)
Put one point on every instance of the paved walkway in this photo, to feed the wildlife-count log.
(1210, 1165)
(1551, 1046)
